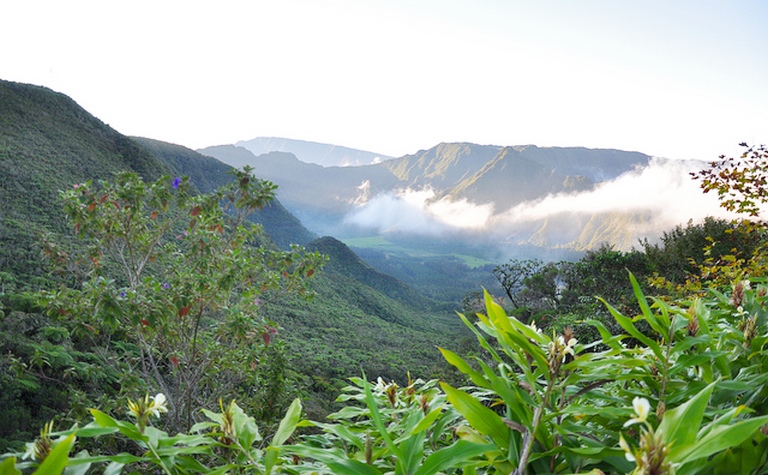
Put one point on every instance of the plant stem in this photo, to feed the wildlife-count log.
(530, 437)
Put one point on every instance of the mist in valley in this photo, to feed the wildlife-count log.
(640, 204)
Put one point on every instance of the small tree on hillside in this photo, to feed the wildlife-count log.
(177, 281)
(512, 277)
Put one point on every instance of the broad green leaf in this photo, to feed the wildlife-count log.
(629, 327)
(427, 420)
(114, 468)
(103, 419)
(720, 438)
(480, 338)
(284, 431)
(455, 455)
(288, 424)
(680, 425)
(411, 453)
(334, 459)
(376, 418)
(641, 300)
(78, 469)
(352, 467)
(342, 432)
(245, 427)
(480, 417)
(56, 461)
(8, 467)
(126, 428)
(478, 379)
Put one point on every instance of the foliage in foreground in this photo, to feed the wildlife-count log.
(691, 397)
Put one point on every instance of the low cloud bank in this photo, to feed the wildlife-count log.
(417, 211)
(664, 190)
(663, 193)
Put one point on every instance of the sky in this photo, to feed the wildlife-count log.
(680, 79)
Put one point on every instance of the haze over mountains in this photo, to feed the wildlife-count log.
(323, 154)
(498, 197)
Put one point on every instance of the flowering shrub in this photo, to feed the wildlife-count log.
(179, 277)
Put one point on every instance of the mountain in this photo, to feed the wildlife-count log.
(319, 196)
(323, 154)
(47, 144)
(449, 178)
(507, 176)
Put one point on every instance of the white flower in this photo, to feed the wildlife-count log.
(380, 385)
(533, 327)
(569, 347)
(625, 447)
(158, 404)
(642, 409)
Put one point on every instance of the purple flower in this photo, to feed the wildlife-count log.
(166, 285)
(176, 182)
(122, 295)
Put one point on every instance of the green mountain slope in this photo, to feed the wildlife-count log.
(48, 143)
(442, 166)
(362, 321)
(345, 262)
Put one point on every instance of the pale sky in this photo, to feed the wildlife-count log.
(676, 79)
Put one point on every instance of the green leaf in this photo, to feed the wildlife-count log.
(680, 425)
(629, 327)
(8, 467)
(342, 432)
(288, 424)
(78, 469)
(127, 429)
(479, 417)
(245, 427)
(114, 468)
(455, 455)
(719, 438)
(56, 461)
(478, 379)
(334, 459)
(376, 418)
(284, 431)
(427, 420)
(103, 419)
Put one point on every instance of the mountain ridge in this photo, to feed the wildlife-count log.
(328, 199)
(313, 152)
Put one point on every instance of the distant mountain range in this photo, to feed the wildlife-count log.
(323, 154)
(451, 183)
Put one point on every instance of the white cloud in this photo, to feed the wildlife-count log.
(654, 199)
(416, 211)
(664, 189)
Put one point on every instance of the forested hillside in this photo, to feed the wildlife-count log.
(47, 144)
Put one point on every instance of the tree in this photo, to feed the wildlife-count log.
(513, 274)
(684, 252)
(742, 187)
(179, 278)
(741, 184)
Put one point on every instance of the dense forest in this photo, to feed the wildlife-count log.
(161, 312)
